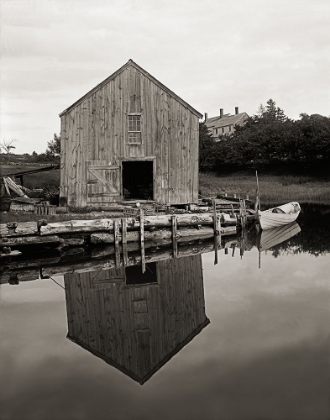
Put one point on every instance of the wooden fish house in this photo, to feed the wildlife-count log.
(137, 323)
(129, 138)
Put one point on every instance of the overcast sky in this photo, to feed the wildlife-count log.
(213, 53)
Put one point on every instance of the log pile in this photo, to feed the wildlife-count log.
(155, 229)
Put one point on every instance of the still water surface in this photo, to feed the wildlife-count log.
(201, 341)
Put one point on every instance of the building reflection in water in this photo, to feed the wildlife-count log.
(136, 322)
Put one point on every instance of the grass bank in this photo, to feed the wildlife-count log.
(274, 189)
(38, 180)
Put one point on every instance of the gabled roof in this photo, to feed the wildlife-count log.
(156, 368)
(146, 74)
(226, 119)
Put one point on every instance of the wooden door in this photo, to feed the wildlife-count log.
(103, 182)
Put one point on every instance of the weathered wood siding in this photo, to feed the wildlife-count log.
(95, 133)
(137, 328)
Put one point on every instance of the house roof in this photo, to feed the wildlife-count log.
(146, 74)
(226, 119)
(156, 368)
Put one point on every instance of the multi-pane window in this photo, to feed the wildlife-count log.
(134, 129)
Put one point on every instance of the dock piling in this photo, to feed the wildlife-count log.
(143, 256)
(116, 238)
(124, 240)
(174, 237)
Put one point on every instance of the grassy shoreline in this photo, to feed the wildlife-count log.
(274, 189)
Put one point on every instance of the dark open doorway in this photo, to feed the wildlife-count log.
(134, 275)
(138, 180)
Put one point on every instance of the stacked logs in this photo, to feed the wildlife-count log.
(156, 229)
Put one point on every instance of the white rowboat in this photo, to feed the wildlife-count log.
(279, 216)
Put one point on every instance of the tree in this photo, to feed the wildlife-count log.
(206, 149)
(7, 145)
(54, 147)
(270, 141)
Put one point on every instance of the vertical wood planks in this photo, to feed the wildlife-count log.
(96, 129)
(143, 256)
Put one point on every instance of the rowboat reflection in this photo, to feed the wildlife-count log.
(272, 237)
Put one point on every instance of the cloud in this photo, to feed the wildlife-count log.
(212, 54)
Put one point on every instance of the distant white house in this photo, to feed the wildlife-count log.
(225, 123)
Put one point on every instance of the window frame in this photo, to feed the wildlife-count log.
(138, 124)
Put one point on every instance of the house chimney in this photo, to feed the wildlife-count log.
(236, 110)
(221, 112)
(205, 116)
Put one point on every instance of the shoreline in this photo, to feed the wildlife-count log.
(274, 189)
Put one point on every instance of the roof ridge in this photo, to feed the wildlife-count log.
(131, 62)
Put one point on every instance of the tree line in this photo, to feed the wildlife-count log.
(51, 155)
(269, 141)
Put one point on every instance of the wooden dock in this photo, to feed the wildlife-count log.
(139, 231)
(122, 234)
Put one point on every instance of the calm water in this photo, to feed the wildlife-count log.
(200, 341)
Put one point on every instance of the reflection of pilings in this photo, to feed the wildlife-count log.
(164, 235)
(103, 258)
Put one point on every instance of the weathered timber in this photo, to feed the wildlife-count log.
(228, 220)
(116, 235)
(19, 264)
(132, 223)
(124, 240)
(21, 207)
(43, 209)
(103, 250)
(85, 265)
(71, 241)
(174, 236)
(182, 235)
(95, 132)
(6, 186)
(142, 241)
(14, 187)
(28, 240)
(11, 253)
(22, 229)
(28, 269)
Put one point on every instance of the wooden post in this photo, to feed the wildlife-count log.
(216, 233)
(143, 256)
(233, 253)
(174, 238)
(116, 237)
(124, 240)
(219, 230)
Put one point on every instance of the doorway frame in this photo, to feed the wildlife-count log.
(138, 159)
